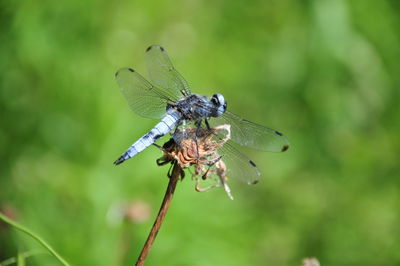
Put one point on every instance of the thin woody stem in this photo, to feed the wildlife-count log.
(173, 180)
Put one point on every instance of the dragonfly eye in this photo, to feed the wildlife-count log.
(218, 100)
(215, 100)
(220, 104)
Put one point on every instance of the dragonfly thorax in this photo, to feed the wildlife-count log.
(195, 107)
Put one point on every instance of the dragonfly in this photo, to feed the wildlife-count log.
(168, 97)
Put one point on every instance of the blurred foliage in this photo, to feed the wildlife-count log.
(324, 72)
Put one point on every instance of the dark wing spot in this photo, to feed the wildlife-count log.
(285, 147)
(131, 70)
(161, 48)
(252, 163)
(149, 48)
(116, 74)
(278, 133)
(254, 182)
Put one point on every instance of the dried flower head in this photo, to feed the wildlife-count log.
(198, 147)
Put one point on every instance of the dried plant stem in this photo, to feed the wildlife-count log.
(173, 180)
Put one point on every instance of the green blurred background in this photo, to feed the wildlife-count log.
(324, 72)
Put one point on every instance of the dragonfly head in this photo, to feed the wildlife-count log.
(219, 103)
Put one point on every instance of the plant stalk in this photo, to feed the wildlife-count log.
(173, 180)
(34, 236)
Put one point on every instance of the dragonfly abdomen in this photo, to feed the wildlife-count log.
(168, 123)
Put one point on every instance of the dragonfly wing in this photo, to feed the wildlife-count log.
(144, 99)
(163, 73)
(249, 134)
(238, 165)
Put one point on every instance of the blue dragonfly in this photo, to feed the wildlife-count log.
(169, 99)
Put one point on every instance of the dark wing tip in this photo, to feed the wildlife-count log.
(253, 182)
(155, 46)
(285, 147)
(123, 69)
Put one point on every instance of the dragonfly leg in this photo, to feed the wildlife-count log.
(207, 124)
(198, 128)
(210, 164)
(166, 149)
(158, 146)
(162, 161)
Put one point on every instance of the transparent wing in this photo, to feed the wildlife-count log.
(238, 165)
(143, 98)
(163, 73)
(247, 133)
